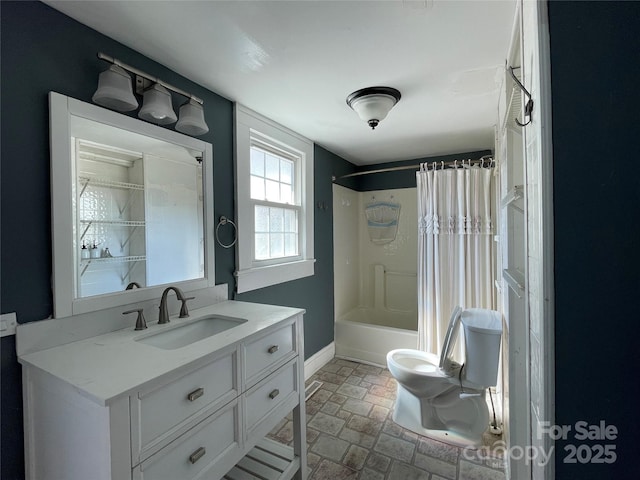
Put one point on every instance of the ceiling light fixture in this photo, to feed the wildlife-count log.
(372, 104)
(115, 92)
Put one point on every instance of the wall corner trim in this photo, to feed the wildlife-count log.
(319, 360)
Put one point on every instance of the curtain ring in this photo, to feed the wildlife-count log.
(223, 221)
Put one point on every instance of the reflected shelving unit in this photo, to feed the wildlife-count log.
(110, 218)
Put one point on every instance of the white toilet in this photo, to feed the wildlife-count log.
(440, 398)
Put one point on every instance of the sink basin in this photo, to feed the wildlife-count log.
(192, 332)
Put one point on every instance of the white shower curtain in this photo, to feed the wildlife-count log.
(455, 251)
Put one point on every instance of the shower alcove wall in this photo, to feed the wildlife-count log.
(375, 284)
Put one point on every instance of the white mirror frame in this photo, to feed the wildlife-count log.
(61, 109)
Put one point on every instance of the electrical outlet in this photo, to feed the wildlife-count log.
(8, 323)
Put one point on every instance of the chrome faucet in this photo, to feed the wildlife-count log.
(164, 312)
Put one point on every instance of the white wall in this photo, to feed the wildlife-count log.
(346, 260)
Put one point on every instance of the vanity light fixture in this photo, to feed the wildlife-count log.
(115, 92)
(156, 106)
(192, 119)
(372, 104)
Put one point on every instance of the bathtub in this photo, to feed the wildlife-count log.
(367, 334)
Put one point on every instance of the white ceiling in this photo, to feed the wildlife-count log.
(296, 61)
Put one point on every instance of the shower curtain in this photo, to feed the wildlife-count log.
(455, 251)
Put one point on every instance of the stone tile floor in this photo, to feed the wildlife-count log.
(351, 435)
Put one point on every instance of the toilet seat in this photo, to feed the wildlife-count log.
(415, 361)
(446, 364)
(418, 372)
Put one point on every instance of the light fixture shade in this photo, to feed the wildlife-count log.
(156, 106)
(373, 104)
(192, 119)
(114, 90)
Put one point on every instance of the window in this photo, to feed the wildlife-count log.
(274, 190)
(276, 206)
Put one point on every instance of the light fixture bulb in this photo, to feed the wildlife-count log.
(156, 106)
(373, 104)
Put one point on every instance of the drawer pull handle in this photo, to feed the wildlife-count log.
(197, 455)
(273, 349)
(274, 394)
(196, 394)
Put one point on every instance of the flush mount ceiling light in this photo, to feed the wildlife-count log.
(372, 104)
(115, 92)
(156, 107)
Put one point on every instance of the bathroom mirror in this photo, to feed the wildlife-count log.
(130, 208)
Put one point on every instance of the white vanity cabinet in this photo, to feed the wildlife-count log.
(196, 421)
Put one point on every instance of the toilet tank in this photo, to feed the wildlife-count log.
(482, 335)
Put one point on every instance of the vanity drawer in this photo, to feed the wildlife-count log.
(208, 450)
(265, 352)
(277, 389)
(161, 413)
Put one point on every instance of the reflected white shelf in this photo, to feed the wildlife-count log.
(130, 258)
(124, 223)
(103, 182)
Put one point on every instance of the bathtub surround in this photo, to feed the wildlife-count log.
(388, 271)
(375, 282)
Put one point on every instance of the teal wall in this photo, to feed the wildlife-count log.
(595, 73)
(43, 50)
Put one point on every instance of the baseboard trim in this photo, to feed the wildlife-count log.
(316, 361)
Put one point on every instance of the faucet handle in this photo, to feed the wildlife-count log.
(141, 323)
(184, 311)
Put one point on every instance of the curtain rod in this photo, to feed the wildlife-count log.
(441, 163)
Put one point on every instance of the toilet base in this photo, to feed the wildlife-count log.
(427, 420)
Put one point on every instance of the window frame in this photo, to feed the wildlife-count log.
(252, 129)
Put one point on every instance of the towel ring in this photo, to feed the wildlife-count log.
(223, 221)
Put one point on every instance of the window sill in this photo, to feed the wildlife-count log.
(260, 277)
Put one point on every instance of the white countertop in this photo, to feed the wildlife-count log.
(108, 366)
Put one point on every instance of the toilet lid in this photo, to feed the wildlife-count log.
(450, 337)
